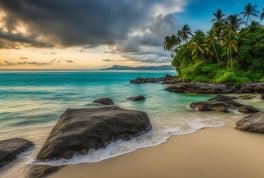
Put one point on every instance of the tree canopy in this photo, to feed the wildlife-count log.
(231, 51)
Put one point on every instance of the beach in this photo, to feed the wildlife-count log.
(207, 153)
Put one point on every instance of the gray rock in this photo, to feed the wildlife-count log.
(137, 98)
(165, 79)
(202, 88)
(222, 103)
(39, 171)
(104, 101)
(80, 130)
(252, 123)
(211, 88)
(9, 149)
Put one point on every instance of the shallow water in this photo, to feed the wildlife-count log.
(32, 101)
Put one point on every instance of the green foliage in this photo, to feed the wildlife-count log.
(225, 54)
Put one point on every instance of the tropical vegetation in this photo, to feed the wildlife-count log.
(232, 51)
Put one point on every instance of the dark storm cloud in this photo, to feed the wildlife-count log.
(90, 23)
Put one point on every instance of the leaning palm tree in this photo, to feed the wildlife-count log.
(170, 42)
(185, 32)
(262, 15)
(250, 10)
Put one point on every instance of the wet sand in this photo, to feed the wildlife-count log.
(209, 153)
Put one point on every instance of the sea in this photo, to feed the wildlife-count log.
(32, 101)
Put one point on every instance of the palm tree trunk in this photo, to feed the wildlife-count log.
(217, 57)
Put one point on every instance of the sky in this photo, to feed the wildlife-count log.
(93, 34)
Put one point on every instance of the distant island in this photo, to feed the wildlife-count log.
(118, 67)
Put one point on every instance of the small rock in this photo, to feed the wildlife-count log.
(10, 148)
(137, 98)
(222, 103)
(262, 96)
(252, 123)
(248, 110)
(104, 101)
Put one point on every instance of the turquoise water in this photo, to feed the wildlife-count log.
(32, 101)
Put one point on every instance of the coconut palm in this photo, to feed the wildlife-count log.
(197, 45)
(212, 42)
(231, 46)
(262, 15)
(234, 22)
(250, 10)
(218, 16)
(185, 32)
(170, 42)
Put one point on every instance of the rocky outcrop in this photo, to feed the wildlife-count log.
(165, 79)
(9, 149)
(252, 88)
(252, 123)
(222, 103)
(202, 88)
(81, 130)
(210, 88)
(137, 98)
(104, 101)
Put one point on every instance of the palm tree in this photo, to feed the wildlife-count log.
(234, 22)
(218, 16)
(170, 42)
(250, 10)
(212, 42)
(197, 45)
(262, 15)
(185, 32)
(231, 46)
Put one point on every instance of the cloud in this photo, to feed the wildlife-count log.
(19, 63)
(126, 24)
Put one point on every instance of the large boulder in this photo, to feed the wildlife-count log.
(137, 98)
(81, 130)
(9, 149)
(104, 101)
(222, 103)
(252, 123)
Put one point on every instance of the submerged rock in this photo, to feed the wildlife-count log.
(104, 101)
(222, 103)
(9, 149)
(252, 123)
(137, 98)
(81, 130)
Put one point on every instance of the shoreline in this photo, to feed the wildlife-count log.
(211, 152)
(177, 86)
